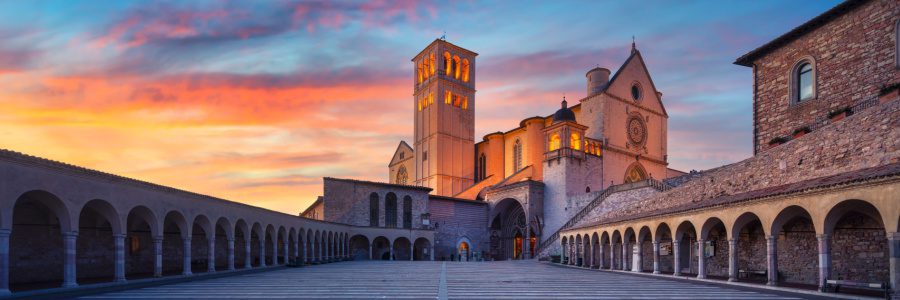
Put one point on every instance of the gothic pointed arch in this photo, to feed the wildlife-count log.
(402, 175)
(517, 155)
(635, 173)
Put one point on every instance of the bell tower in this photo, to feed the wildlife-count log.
(444, 109)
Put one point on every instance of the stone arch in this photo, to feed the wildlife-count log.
(664, 236)
(684, 248)
(595, 250)
(390, 210)
(310, 246)
(565, 256)
(847, 225)
(793, 234)
(257, 244)
(242, 257)
(714, 238)
(749, 237)
(422, 249)
(202, 233)
(634, 173)
(292, 241)
(616, 250)
(142, 228)
(223, 234)
(402, 249)
(605, 243)
(381, 248)
(464, 248)
(645, 248)
(508, 221)
(579, 250)
(301, 245)
(281, 246)
(317, 245)
(39, 221)
(95, 251)
(175, 231)
(359, 247)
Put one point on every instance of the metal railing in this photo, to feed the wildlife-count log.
(656, 184)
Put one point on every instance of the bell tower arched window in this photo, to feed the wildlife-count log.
(517, 156)
(554, 142)
(448, 63)
(575, 143)
(456, 70)
(465, 70)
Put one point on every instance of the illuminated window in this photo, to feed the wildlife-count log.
(419, 71)
(465, 103)
(465, 70)
(456, 67)
(425, 67)
(420, 104)
(554, 141)
(134, 244)
(517, 156)
(576, 141)
(456, 100)
(448, 97)
(448, 63)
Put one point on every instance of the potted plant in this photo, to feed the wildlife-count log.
(801, 131)
(778, 140)
(839, 114)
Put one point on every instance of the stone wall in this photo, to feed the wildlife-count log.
(859, 250)
(853, 57)
(347, 201)
(457, 219)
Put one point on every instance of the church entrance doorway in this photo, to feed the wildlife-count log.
(510, 231)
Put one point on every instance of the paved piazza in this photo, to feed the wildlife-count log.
(442, 280)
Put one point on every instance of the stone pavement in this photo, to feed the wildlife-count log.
(450, 280)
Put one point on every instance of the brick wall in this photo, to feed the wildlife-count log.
(455, 219)
(347, 202)
(854, 58)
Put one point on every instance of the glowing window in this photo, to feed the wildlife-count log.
(465, 70)
(465, 103)
(431, 64)
(419, 71)
(448, 63)
(456, 100)
(554, 141)
(576, 141)
(448, 96)
(425, 68)
(517, 156)
(430, 98)
(456, 67)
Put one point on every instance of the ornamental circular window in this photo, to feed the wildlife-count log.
(636, 91)
(637, 130)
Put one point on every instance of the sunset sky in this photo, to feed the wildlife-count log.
(256, 101)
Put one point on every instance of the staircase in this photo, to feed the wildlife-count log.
(656, 184)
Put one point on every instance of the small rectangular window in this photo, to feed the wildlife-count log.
(424, 155)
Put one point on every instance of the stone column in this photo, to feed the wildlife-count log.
(638, 258)
(391, 253)
(275, 251)
(248, 259)
(655, 257)
(297, 250)
(69, 265)
(526, 246)
(600, 256)
(286, 255)
(262, 252)
(230, 257)
(431, 252)
(676, 257)
(824, 259)
(211, 255)
(4, 262)
(372, 251)
(304, 252)
(412, 251)
(772, 260)
(624, 256)
(187, 256)
(612, 256)
(120, 257)
(894, 252)
(701, 260)
(326, 247)
(157, 256)
(732, 260)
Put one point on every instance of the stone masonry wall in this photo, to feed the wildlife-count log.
(853, 57)
(347, 202)
(454, 220)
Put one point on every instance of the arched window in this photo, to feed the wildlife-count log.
(448, 97)
(554, 142)
(517, 156)
(456, 67)
(803, 81)
(465, 70)
(448, 63)
(431, 64)
(407, 212)
(482, 161)
(402, 176)
(635, 173)
(373, 210)
(419, 72)
(576, 141)
(390, 210)
(465, 102)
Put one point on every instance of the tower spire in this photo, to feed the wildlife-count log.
(633, 47)
(564, 103)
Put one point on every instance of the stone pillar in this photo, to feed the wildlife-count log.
(772, 259)
(275, 250)
(120, 257)
(262, 252)
(655, 257)
(412, 251)
(304, 252)
(286, 255)
(187, 256)
(211, 255)
(824, 259)
(248, 259)
(732, 260)
(431, 252)
(894, 252)
(526, 246)
(297, 249)
(600, 256)
(157, 256)
(4, 262)
(638, 258)
(701, 260)
(371, 251)
(391, 253)
(624, 256)
(612, 256)
(676, 257)
(230, 257)
(326, 250)
(69, 264)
